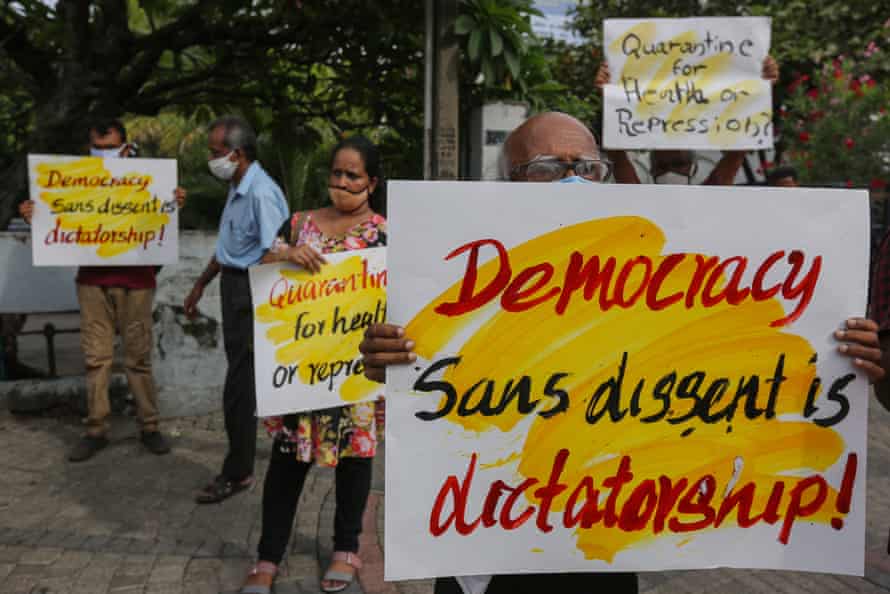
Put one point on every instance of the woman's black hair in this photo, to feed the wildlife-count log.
(371, 157)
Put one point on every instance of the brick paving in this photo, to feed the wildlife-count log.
(125, 522)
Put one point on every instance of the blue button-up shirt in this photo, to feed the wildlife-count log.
(255, 210)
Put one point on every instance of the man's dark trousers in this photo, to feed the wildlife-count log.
(239, 394)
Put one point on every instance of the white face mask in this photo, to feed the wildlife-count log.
(223, 168)
(111, 153)
(674, 179)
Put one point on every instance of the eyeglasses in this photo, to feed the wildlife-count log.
(549, 169)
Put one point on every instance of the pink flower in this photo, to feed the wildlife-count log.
(804, 136)
(377, 219)
(370, 235)
(362, 443)
(354, 243)
(848, 142)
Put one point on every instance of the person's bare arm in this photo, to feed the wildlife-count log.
(191, 301)
(622, 168)
(725, 171)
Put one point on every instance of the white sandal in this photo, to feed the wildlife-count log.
(330, 575)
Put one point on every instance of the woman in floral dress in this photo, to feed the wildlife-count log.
(343, 437)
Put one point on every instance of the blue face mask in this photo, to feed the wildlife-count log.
(575, 179)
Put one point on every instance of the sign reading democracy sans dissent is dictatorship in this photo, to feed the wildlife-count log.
(307, 328)
(687, 84)
(616, 378)
(103, 212)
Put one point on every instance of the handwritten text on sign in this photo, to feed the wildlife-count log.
(687, 84)
(307, 328)
(623, 381)
(103, 212)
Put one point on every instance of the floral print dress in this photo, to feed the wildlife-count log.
(323, 436)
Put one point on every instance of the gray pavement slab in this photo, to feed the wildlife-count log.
(125, 522)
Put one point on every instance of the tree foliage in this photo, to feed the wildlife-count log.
(351, 63)
(836, 124)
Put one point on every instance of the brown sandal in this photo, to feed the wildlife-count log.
(221, 489)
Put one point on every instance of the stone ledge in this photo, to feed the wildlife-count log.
(38, 395)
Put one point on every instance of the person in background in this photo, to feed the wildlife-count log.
(567, 143)
(344, 437)
(680, 166)
(255, 209)
(783, 177)
(115, 300)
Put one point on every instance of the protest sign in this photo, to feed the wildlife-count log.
(687, 84)
(307, 328)
(103, 212)
(617, 378)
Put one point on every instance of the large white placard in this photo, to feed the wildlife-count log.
(103, 212)
(615, 378)
(687, 84)
(307, 328)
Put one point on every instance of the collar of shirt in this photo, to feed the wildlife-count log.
(244, 185)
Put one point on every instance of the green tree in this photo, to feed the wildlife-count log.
(348, 62)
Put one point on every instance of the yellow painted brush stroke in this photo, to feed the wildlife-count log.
(92, 166)
(327, 346)
(723, 341)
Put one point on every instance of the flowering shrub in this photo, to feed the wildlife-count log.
(834, 125)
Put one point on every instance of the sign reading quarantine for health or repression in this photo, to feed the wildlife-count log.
(307, 328)
(622, 378)
(687, 84)
(103, 212)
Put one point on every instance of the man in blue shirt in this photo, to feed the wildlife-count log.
(255, 210)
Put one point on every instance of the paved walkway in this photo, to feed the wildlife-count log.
(125, 522)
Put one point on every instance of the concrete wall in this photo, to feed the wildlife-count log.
(25, 288)
(189, 361)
